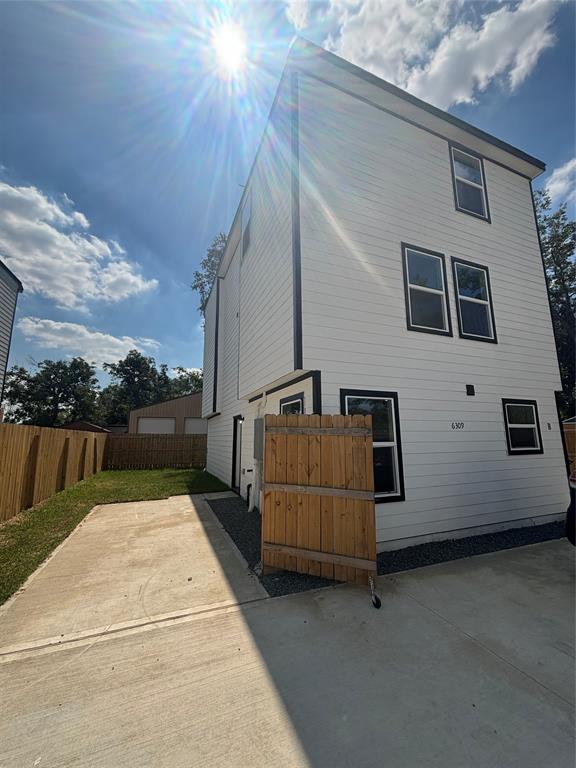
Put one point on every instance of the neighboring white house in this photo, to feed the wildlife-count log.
(10, 287)
(385, 259)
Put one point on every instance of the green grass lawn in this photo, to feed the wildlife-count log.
(28, 539)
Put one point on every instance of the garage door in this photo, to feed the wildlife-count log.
(156, 426)
(195, 426)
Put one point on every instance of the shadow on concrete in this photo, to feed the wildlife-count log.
(419, 684)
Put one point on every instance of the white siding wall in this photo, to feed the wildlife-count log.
(266, 337)
(220, 428)
(8, 297)
(219, 460)
(266, 404)
(255, 332)
(209, 347)
(370, 182)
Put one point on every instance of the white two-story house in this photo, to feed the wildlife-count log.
(385, 259)
(10, 287)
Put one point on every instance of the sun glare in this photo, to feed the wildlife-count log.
(229, 43)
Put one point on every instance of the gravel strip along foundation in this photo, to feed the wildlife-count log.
(243, 527)
(455, 549)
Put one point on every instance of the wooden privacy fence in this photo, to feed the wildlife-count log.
(155, 451)
(570, 436)
(36, 462)
(318, 513)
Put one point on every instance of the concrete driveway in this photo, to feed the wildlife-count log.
(112, 657)
(130, 564)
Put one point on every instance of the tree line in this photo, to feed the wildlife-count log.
(558, 242)
(58, 392)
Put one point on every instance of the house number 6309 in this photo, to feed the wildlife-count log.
(457, 425)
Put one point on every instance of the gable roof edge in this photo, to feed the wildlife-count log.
(302, 50)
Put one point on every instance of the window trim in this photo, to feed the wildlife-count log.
(465, 151)
(426, 252)
(379, 395)
(245, 233)
(292, 399)
(522, 451)
(462, 333)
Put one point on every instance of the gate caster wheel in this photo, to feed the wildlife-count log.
(376, 602)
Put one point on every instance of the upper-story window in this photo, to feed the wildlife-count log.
(474, 301)
(425, 283)
(246, 216)
(469, 183)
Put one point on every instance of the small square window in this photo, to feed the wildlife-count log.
(293, 404)
(522, 426)
(469, 183)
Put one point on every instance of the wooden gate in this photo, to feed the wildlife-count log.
(318, 512)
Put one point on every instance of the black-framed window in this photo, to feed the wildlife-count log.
(246, 218)
(387, 446)
(469, 182)
(293, 404)
(522, 426)
(473, 301)
(426, 290)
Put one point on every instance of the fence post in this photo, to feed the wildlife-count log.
(106, 452)
(63, 468)
(82, 460)
(29, 485)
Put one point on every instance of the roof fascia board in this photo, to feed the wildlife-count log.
(309, 57)
(11, 274)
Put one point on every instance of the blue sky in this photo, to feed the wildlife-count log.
(123, 149)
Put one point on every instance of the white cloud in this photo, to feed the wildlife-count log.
(445, 51)
(47, 245)
(78, 340)
(562, 183)
(507, 46)
(297, 12)
(387, 37)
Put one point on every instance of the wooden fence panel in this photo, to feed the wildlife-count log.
(318, 513)
(570, 437)
(36, 462)
(155, 451)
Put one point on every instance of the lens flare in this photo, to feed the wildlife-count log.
(229, 44)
